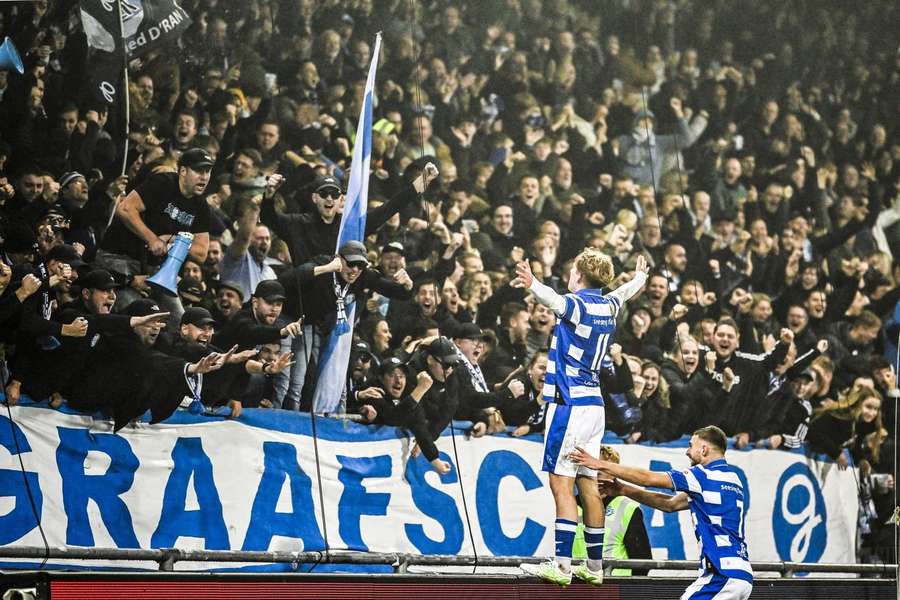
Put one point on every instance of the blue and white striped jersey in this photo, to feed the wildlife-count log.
(579, 344)
(718, 509)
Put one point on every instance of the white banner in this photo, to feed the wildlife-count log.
(199, 482)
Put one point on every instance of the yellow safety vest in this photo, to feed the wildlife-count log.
(619, 511)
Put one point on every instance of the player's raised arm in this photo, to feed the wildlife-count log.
(627, 290)
(544, 294)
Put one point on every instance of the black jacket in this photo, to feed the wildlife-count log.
(527, 409)
(246, 332)
(45, 371)
(769, 417)
(751, 384)
(123, 379)
(438, 405)
(315, 299)
(692, 400)
(471, 401)
(506, 357)
(219, 386)
(307, 235)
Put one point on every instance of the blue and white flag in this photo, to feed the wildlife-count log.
(331, 388)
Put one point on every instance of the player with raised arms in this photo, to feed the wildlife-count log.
(575, 416)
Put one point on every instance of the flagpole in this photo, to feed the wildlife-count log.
(127, 93)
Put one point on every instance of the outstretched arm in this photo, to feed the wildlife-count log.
(544, 294)
(633, 475)
(657, 500)
(627, 290)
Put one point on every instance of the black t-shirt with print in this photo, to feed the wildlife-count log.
(166, 212)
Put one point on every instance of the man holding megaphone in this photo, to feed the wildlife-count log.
(148, 219)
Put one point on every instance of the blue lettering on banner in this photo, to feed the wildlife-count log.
(494, 467)
(799, 517)
(435, 504)
(20, 520)
(207, 522)
(79, 487)
(667, 535)
(280, 461)
(356, 501)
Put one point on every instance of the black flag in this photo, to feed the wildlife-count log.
(146, 24)
(100, 19)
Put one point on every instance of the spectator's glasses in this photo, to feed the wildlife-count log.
(363, 358)
(332, 193)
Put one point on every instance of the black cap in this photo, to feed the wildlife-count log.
(65, 253)
(197, 159)
(361, 347)
(324, 182)
(234, 286)
(443, 351)
(67, 178)
(55, 209)
(468, 331)
(142, 307)
(196, 315)
(98, 279)
(393, 247)
(389, 364)
(354, 253)
(191, 285)
(270, 290)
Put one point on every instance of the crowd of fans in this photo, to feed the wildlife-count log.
(748, 151)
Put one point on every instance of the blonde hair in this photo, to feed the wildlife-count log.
(596, 267)
(627, 219)
(849, 407)
(608, 453)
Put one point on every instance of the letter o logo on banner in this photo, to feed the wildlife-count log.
(108, 91)
(799, 516)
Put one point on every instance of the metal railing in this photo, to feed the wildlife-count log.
(167, 557)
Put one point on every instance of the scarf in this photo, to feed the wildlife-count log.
(340, 293)
(474, 371)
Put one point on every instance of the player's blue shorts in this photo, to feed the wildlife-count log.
(567, 427)
(716, 586)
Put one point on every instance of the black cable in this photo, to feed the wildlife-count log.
(418, 96)
(416, 57)
(894, 515)
(312, 413)
(665, 272)
(462, 491)
(34, 510)
(418, 90)
(45, 277)
(701, 360)
(327, 556)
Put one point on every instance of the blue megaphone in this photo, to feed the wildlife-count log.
(166, 279)
(9, 57)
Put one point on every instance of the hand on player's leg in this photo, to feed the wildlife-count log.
(581, 457)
